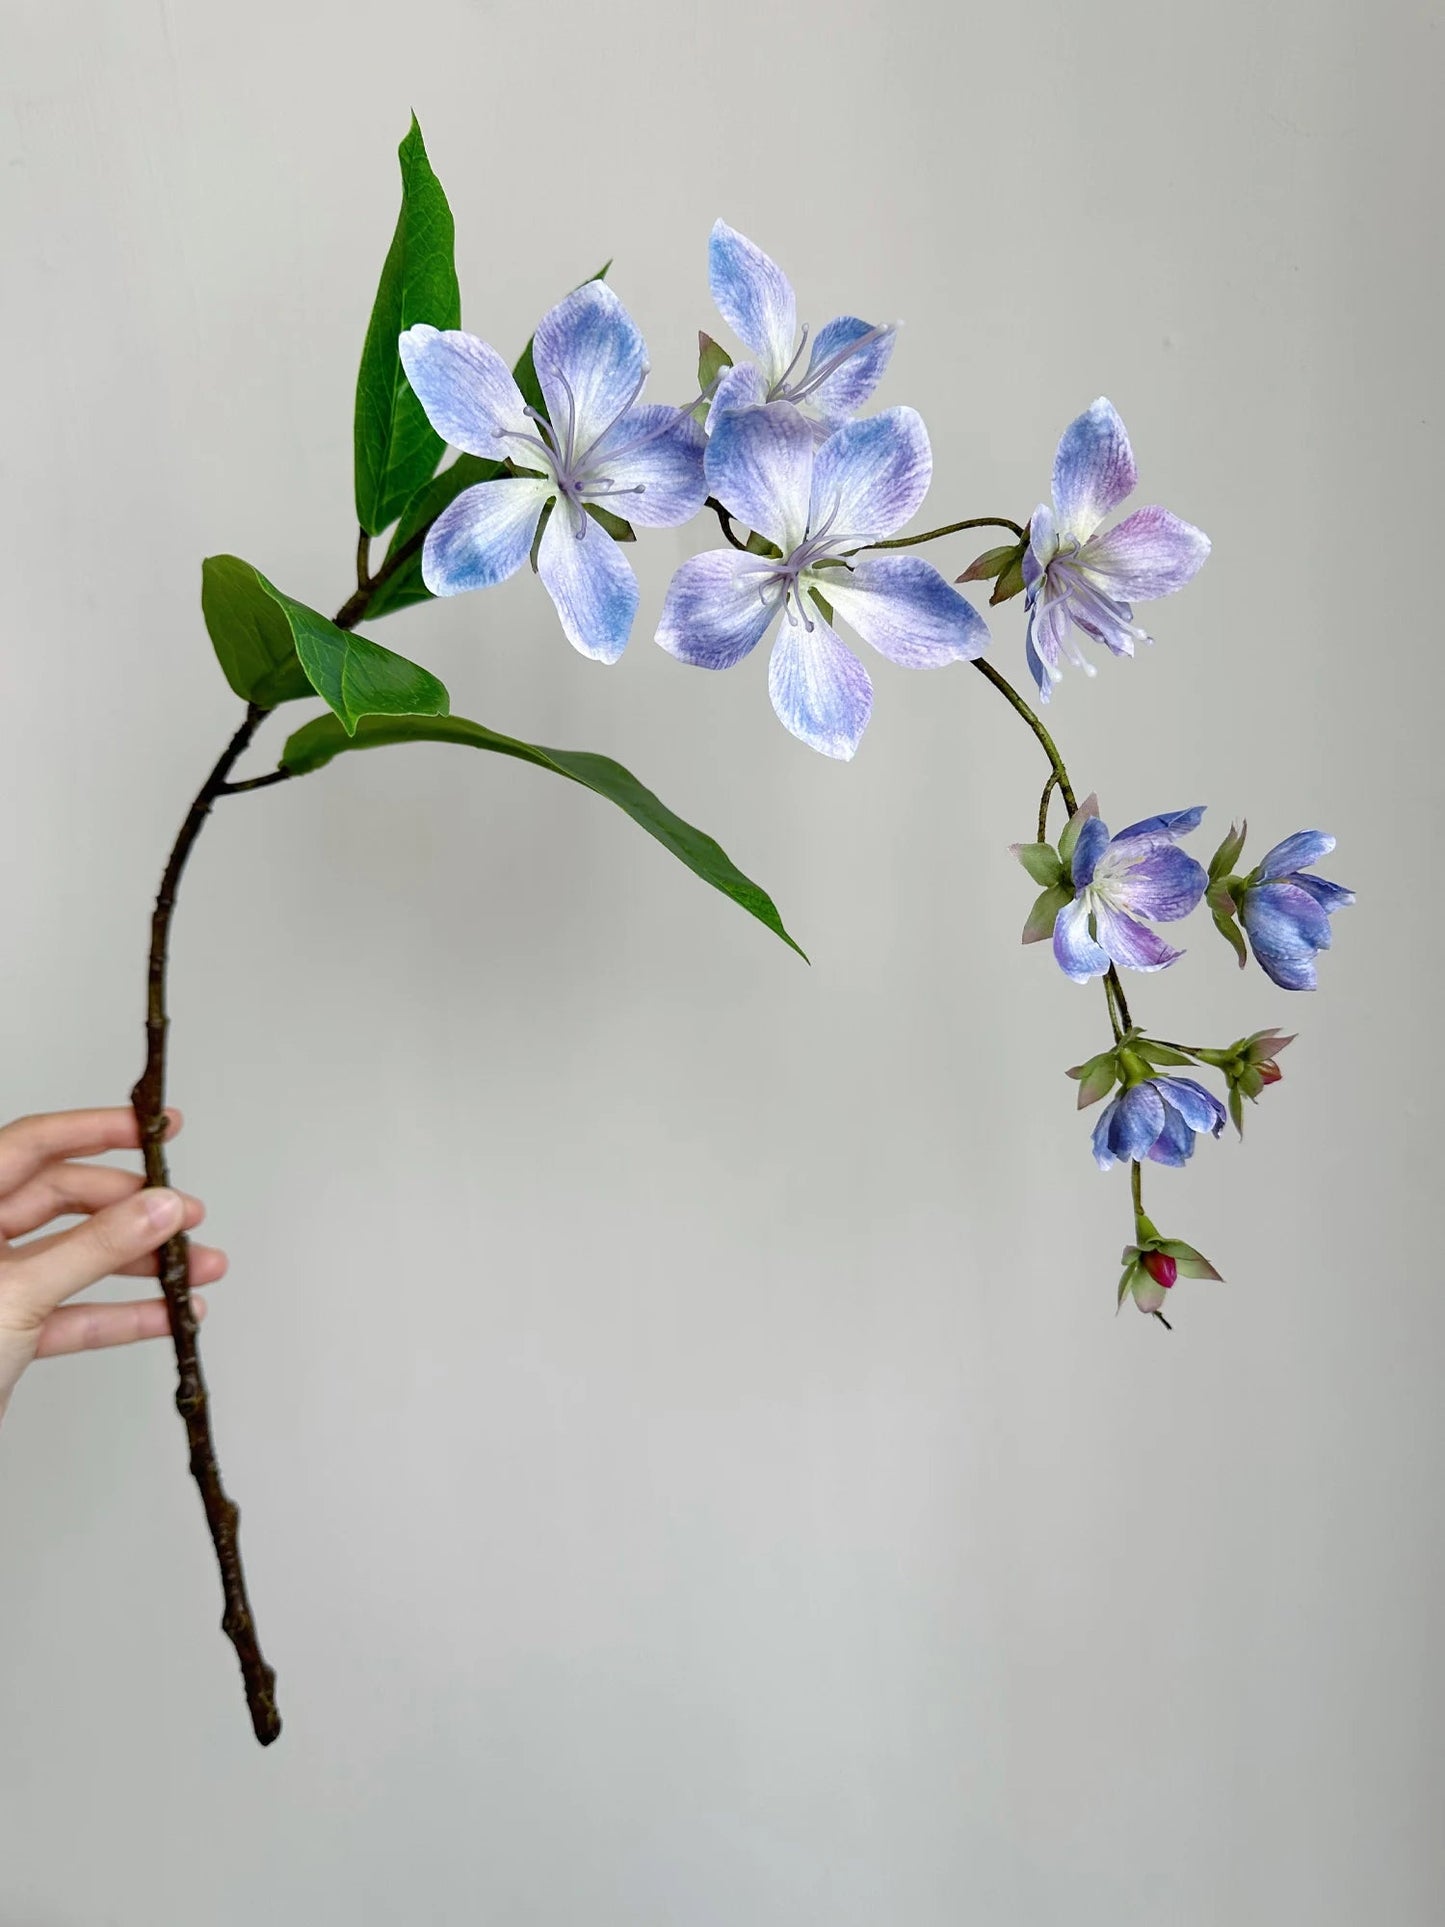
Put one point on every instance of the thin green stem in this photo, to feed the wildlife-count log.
(950, 528)
(1136, 1191)
(1049, 789)
(1046, 742)
(1111, 980)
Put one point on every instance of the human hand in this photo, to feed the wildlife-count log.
(124, 1226)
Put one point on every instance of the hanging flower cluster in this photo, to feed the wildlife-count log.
(810, 495)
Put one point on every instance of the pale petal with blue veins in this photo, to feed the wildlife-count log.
(1075, 951)
(1200, 1109)
(741, 386)
(591, 582)
(657, 450)
(1296, 852)
(719, 606)
(1151, 553)
(1286, 928)
(1093, 841)
(466, 389)
(484, 535)
(820, 690)
(1166, 885)
(904, 608)
(843, 392)
(754, 297)
(591, 360)
(759, 464)
(1093, 470)
(1133, 945)
(871, 475)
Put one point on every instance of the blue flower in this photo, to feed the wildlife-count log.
(756, 300)
(597, 444)
(1156, 1118)
(817, 504)
(1137, 873)
(1076, 576)
(1286, 914)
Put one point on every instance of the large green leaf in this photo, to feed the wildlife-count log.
(396, 446)
(250, 634)
(354, 677)
(525, 372)
(316, 744)
(399, 587)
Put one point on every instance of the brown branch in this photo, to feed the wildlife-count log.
(192, 1401)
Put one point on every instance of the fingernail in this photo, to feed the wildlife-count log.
(163, 1209)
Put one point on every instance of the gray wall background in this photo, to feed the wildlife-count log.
(692, 1473)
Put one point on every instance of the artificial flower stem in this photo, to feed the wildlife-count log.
(950, 528)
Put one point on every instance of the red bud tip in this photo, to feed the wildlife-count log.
(1161, 1268)
(1270, 1072)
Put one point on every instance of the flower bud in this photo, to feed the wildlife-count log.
(1161, 1268)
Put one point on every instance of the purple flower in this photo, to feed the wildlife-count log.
(1287, 914)
(1156, 1118)
(756, 300)
(817, 504)
(1074, 575)
(1138, 873)
(596, 444)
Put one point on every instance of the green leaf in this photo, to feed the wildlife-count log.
(1039, 925)
(525, 372)
(712, 358)
(403, 585)
(1089, 807)
(1160, 1055)
(1228, 929)
(1041, 860)
(619, 530)
(1227, 855)
(316, 744)
(991, 563)
(1097, 1077)
(1011, 579)
(397, 448)
(355, 677)
(251, 636)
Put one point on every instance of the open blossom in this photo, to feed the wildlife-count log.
(1076, 576)
(596, 444)
(1116, 880)
(756, 300)
(1286, 914)
(1156, 1118)
(818, 504)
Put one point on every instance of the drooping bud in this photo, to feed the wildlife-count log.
(1161, 1268)
(1249, 1067)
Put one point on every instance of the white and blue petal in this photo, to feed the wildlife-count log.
(1089, 847)
(841, 375)
(1151, 553)
(484, 535)
(754, 297)
(759, 464)
(820, 690)
(1129, 1126)
(1075, 951)
(466, 389)
(1200, 1109)
(871, 475)
(1171, 823)
(1329, 896)
(1132, 945)
(1286, 927)
(718, 607)
(1297, 852)
(904, 608)
(1093, 470)
(591, 582)
(591, 360)
(1175, 1142)
(651, 464)
(741, 386)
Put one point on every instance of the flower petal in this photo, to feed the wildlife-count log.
(1152, 553)
(1175, 1142)
(1200, 1108)
(741, 386)
(820, 690)
(592, 584)
(904, 608)
(754, 297)
(1297, 852)
(1093, 469)
(656, 450)
(484, 535)
(1092, 841)
(1165, 886)
(718, 608)
(466, 389)
(871, 475)
(1075, 951)
(843, 392)
(1151, 832)
(1329, 896)
(1129, 1126)
(590, 359)
(1285, 927)
(1133, 945)
(759, 464)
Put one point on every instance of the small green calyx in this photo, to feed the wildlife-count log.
(1249, 1067)
(1004, 567)
(1153, 1266)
